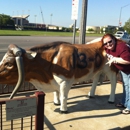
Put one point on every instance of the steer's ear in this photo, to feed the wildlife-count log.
(30, 54)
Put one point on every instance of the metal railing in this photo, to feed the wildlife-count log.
(35, 122)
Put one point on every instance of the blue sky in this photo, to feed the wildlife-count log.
(99, 13)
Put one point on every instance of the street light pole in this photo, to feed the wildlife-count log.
(51, 19)
(120, 13)
(35, 21)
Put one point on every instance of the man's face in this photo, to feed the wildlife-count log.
(109, 43)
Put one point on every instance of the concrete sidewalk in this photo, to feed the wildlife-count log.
(87, 114)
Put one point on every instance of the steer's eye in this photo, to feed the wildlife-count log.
(8, 65)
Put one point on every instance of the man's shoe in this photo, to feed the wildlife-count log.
(120, 105)
(125, 111)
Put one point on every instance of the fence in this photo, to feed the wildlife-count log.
(28, 123)
(26, 87)
(6, 89)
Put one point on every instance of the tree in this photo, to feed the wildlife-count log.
(5, 21)
(127, 26)
(90, 29)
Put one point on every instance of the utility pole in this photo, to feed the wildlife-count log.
(83, 22)
(74, 32)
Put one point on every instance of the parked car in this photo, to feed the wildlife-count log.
(123, 36)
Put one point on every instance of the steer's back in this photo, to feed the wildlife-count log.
(75, 61)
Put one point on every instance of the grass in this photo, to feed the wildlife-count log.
(39, 33)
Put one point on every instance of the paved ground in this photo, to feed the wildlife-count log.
(84, 113)
(87, 114)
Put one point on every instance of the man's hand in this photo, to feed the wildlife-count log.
(112, 60)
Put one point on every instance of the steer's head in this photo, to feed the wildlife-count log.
(11, 67)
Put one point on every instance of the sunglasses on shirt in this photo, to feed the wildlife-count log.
(107, 42)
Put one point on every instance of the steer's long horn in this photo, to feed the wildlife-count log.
(19, 61)
(15, 50)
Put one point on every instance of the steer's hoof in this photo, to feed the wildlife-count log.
(110, 102)
(89, 96)
(63, 112)
(56, 104)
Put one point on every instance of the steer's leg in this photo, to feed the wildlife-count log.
(64, 90)
(94, 84)
(113, 79)
(56, 98)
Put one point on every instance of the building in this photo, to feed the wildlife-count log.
(92, 29)
(21, 21)
(102, 29)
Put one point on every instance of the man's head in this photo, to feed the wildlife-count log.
(109, 41)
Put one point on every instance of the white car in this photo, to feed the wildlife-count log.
(123, 36)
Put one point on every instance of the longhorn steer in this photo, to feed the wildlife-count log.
(55, 67)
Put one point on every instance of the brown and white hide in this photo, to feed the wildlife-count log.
(54, 67)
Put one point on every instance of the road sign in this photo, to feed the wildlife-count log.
(19, 108)
(75, 4)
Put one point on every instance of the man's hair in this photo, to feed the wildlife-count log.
(109, 35)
